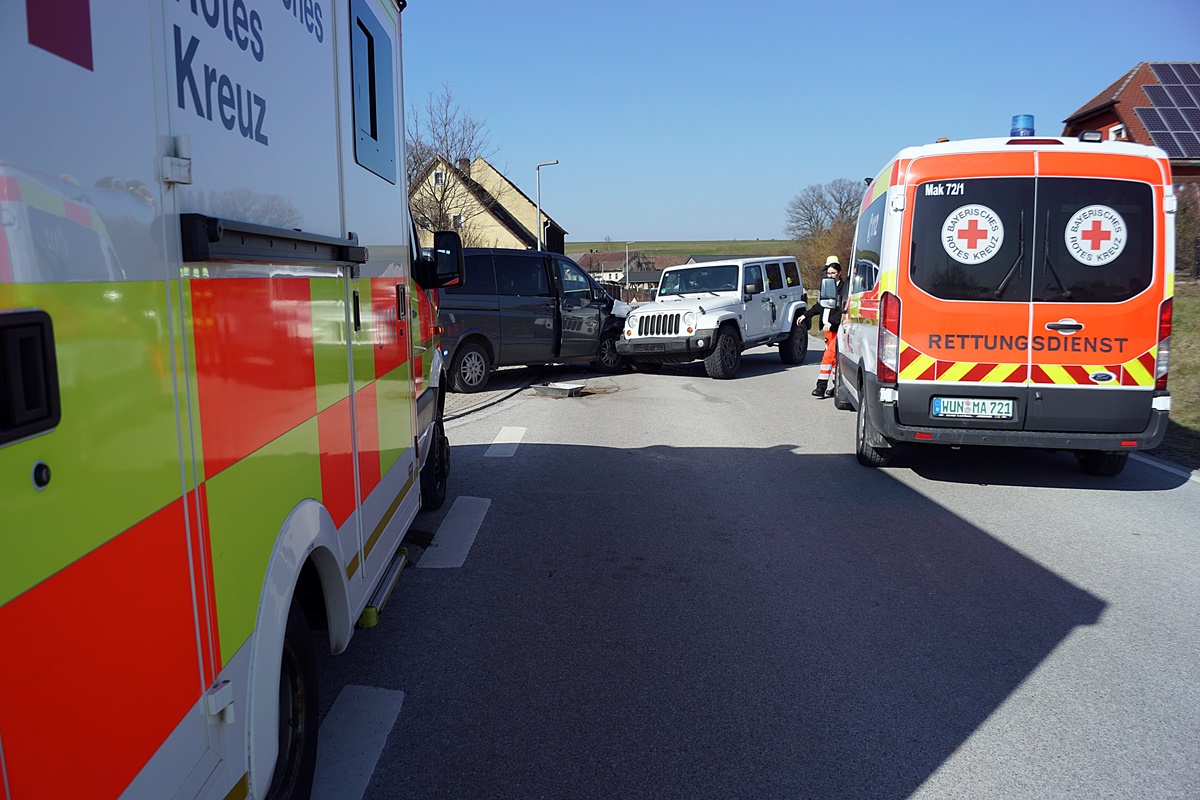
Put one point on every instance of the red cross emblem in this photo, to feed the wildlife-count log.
(972, 233)
(1096, 235)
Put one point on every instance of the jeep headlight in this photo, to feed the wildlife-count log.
(689, 318)
(630, 326)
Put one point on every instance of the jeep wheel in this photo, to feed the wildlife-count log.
(723, 362)
(608, 360)
(469, 372)
(795, 348)
(1098, 462)
(871, 448)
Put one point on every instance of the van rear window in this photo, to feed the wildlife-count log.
(1025, 239)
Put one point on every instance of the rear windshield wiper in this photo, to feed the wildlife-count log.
(1046, 265)
(1016, 267)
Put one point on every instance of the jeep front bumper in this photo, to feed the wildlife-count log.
(697, 346)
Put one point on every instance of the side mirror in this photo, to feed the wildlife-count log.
(828, 293)
(754, 287)
(444, 266)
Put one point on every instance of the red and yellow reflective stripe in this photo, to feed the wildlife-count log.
(918, 366)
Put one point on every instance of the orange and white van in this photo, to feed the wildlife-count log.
(1012, 292)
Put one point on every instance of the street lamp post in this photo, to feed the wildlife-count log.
(627, 264)
(537, 172)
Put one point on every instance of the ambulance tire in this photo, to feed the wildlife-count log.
(871, 448)
(723, 362)
(436, 472)
(795, 347)
(841, 400)
(469, 372)
(1099, 462)
(299, 712)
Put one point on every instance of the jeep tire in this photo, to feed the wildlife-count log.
(723, 362)
(793, 349)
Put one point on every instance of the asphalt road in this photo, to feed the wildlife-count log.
(687, 588)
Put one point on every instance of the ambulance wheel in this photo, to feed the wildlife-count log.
(723, 362)
(469, 372)
(298, 712)
(1098, 462)
(841, 399)
(795, 348)
(871, 448)
(608, 360)
(435, 475)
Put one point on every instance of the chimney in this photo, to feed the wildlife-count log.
(464, 166)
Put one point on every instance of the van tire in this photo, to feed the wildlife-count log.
(435, 475)
(1102, 463)
(470, 370)
(841, 400)
(795, 347)
(299, 712)
(870, 447)
(608, 360)
(723, 362)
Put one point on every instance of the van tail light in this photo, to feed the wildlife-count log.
(889, 338)
(1164, 345)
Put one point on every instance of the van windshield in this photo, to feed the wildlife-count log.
(1040, 240)
(721, 278)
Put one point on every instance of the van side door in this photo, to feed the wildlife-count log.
(582, 315)
(528, 309)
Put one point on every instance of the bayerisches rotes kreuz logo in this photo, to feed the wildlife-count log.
(1096, 235)
(972, 234)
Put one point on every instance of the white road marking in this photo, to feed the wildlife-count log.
(1171, 468)
(456, 534)
(351, 740)
(505, 443)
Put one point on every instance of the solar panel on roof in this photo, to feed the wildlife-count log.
(1190, 144)
(1165, 73)
(1174, 120)
(1151, 119)
(1167, 142)
(1158, 95)
(1192, 115)
(1189, 73)
(1180, 96)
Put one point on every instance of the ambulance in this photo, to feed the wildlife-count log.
(221, 391)
(1012, 292)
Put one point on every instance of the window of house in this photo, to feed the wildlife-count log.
(439, 178)
(1117, 132)
(456, 221)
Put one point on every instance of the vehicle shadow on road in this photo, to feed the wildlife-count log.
(648, 626)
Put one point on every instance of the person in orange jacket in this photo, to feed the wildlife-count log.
(830, 319)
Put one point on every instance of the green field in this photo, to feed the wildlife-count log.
(735, 247)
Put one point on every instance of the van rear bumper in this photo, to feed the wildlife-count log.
(884, 414)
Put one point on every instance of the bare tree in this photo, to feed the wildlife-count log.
(443, 139)
(808, 213)
(821, 219)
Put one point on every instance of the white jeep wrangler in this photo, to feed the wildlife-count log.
(714, 311)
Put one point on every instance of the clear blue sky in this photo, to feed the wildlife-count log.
(700, 120)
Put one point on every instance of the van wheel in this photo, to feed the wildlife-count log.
(435, 475)
(469, 372)
(871, 448)
(608, 360)
(723, 362)
(1099, 462)
(841, 398)
(298, 712)
(795, 348)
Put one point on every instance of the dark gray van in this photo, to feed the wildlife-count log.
(525, 307)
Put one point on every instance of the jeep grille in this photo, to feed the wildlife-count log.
(658, 324)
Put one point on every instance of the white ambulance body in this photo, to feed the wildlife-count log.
(1012, 292)
(220, 390)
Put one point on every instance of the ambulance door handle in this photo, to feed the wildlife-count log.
(357, 314)
(1065, 326)
(29, 397)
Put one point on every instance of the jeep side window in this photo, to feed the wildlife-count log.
(792, 274)
(753, 274)
(774, 278)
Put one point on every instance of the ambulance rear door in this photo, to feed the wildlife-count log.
(1095, 292)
